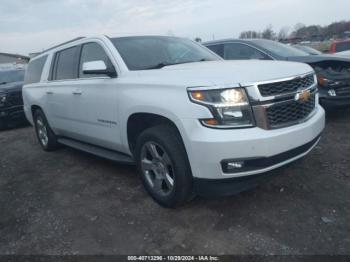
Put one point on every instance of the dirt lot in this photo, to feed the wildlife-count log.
(68, 202)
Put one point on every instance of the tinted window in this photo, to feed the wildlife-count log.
(92, 52)
(9, 76)
(279, 49)
(67, 64)
(218, 49)
(342, 46)
(152, 52)
(241, 51)
(34, 70)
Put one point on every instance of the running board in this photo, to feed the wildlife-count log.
(98, 151)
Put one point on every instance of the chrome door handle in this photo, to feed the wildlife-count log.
(49, 92)
(77, 92)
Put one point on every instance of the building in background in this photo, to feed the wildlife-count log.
(6, 58)
(10, 61)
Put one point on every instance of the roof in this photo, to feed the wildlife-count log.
(67, 42)
(83, 37)
(15, 55)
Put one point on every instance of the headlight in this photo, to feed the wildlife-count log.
(2, 99)
(322, 81)
(230, 107)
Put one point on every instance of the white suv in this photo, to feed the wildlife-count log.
(193, 123)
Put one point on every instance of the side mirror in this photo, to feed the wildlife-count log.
(98, 68)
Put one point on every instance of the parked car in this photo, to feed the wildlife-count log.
(339, 46)
(192, 122)
(333, 72)
(344, 54)
(308, 49)
(11, 103)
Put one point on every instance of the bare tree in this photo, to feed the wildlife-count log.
(198, 39)
(298, 26)
(268, 33)
(249, 34)
(283, 33)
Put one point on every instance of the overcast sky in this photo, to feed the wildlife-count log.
(33, 25)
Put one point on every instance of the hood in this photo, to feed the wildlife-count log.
(310, 59)
(218, 73)
(11, 87)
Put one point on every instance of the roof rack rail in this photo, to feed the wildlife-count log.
(72, 40)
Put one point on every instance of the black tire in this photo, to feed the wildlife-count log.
(169, 140)
(51, 143)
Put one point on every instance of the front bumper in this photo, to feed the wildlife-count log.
(207, 148)
(14, 114)
(333, 101)
(230, 186)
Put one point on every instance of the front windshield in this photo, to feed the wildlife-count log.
(279, 49)
(9, 76)
(152, 52)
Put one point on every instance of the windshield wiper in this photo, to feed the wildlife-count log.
(157, 66)
(163, 64)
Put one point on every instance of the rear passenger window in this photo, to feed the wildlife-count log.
(237, 51)
(66, 64)
(218, 49)
(34, 70)
(92, 52)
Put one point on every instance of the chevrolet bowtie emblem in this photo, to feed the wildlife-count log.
(303, 96)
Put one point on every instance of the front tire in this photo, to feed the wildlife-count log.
(164, 167)
(46, 137)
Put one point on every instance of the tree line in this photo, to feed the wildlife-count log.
(300, 31)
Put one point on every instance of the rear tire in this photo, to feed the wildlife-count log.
(46, 137)
(164, 167)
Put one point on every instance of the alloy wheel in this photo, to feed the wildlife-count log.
(157, 168)
(42, 131)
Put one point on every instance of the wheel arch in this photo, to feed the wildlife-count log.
(140, 121)
(33, 108)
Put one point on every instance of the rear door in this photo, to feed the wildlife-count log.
(62, 81)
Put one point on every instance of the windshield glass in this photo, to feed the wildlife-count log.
(280, 49)
(10, 76)
(152, 52)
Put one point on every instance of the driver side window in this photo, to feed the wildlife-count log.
(236, 51)
(92, 52)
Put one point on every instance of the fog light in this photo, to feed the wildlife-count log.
(331, 92)
(234, 165)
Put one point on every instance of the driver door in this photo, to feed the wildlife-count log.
(95, 102)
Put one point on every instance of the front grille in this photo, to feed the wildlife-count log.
(343, 91)
(15, 98)
(284, 87)
(289, 112)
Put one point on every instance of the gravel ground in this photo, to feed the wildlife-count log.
(69, 202)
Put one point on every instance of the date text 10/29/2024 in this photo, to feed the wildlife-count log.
(173, 258)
